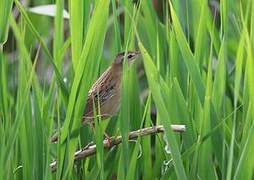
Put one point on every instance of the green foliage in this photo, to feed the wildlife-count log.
(5, 10)
(196, 69)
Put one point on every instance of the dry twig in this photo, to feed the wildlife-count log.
(90, 149)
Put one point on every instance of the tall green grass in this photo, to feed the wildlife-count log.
(196, 68)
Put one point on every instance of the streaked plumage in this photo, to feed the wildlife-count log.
(106, 91)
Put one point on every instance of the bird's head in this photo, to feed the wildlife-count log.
(129, 56)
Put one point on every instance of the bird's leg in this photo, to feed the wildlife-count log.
(107, 137)
(92, 126)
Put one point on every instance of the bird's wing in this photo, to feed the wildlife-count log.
(101, 91)
(100, 96)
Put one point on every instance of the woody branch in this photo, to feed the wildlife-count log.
(90, 149)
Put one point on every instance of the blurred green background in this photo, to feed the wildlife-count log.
(196, 69)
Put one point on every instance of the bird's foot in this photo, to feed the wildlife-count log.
(108, 140)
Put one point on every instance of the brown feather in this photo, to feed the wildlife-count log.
(105, 93)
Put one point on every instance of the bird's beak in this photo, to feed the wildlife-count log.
(135, 54)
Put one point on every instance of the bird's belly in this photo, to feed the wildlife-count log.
(110, 107)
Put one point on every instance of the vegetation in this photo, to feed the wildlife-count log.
(196, 69)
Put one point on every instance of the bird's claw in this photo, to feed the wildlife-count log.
(108, 142)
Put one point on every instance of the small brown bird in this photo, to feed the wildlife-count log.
(106, 91)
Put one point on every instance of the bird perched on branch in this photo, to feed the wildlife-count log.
(105, 93)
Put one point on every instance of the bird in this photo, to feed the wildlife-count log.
(106, 91)
(104, 96)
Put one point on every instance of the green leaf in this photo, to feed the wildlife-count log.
(188, 57)
(5, 10)
(60, 81)
(76, 26)
(153, 81)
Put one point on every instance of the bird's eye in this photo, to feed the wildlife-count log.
(129, 56)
